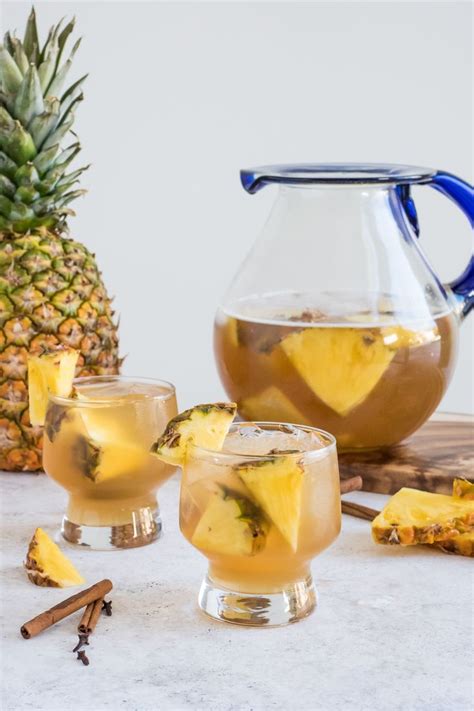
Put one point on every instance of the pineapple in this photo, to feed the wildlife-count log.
(46, 564)
(413, 516)
(231, 524)
(49, 373)
(272, 405)
(463, 544)
(203, 425)
(354, 358)
(463, 489)
(276, 484)
(51, 291)
(101, 460)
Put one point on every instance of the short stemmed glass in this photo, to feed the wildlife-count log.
(96, 446)
(260, 510)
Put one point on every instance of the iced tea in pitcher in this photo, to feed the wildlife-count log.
(370, 381)
(335, 318)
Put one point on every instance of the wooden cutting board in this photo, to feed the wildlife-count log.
(430, 459)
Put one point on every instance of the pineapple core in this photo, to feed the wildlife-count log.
(46, 564)
(49, 373)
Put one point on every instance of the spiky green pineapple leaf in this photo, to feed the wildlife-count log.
(31, 41)
(42, 126)
(19, 55)
(9, 72)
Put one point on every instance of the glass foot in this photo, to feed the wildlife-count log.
(258, 609)
(144, 527)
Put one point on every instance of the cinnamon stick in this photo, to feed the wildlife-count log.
(352, 484)
(96, 610)
(86, 615)
(359, 511)
(63, 609)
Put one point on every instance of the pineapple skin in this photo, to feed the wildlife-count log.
(51, 293)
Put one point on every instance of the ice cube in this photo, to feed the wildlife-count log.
(259, 441)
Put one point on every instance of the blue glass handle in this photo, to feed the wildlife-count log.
(462, 194)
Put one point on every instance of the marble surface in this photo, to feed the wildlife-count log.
(391, 631)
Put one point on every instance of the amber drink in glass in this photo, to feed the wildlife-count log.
(96, 446)
(260, 510)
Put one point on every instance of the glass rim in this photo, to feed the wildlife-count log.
(104, 402)
(253, 179)
(316, 453)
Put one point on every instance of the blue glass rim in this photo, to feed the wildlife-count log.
(334, 174)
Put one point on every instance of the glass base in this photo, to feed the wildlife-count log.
(291, 604)
(143, 528)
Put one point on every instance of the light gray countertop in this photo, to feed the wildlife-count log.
(392, 630)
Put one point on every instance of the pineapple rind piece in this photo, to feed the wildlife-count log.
(49, 373)
(463, 544)
(463, 489)
(412, 517)
(203, 425)
(276, 484)
(104, 460)
(231, 524)
(47, 566)
(340, 365)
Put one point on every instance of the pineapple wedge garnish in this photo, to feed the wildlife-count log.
(231, 524)
(46, 564)
(463, 489)
(340, 365)
(413, 516)
(276, 484)
(101, 460)
(203, 425)
(49, 373)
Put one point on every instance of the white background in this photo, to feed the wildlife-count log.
(182, 95)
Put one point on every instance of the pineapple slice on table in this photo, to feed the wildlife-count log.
(47, 566)
(340, 365)
(203, 425)
(49, 373)
(102, 460)
(231, 524)
(412, 516)
(276, 484)
(463, 489)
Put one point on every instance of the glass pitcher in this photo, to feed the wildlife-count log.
(336, 319)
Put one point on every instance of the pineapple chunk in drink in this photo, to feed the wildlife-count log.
(276, 484)
(231, 525)
(49, 373)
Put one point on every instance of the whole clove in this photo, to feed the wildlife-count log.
(83, 658)
(107, 607)
(83, 640)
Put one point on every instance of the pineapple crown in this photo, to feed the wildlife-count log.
(36, 113)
